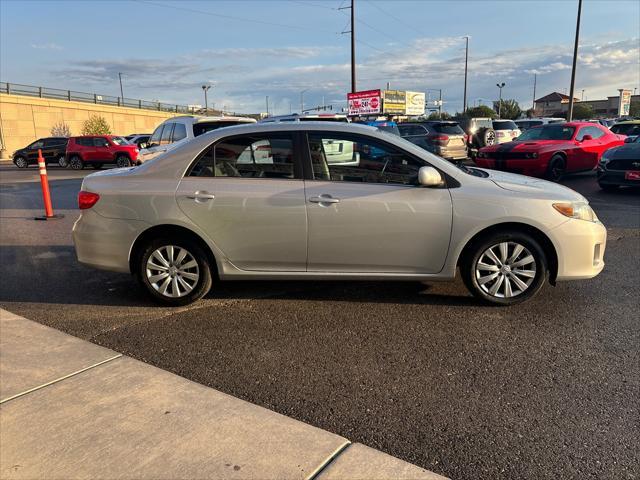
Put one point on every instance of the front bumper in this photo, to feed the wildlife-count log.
(580, 247)
(105, 243)
(615, 177)
(534, 167)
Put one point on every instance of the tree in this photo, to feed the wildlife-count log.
(60, 129)
(96, 125)
(479, 111)
(509, 109)
(582, 111)
(439, 116)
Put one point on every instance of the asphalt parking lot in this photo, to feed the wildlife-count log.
(548, 389)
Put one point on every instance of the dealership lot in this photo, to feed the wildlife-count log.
(423, 372)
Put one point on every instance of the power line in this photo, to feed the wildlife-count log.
(373, 4)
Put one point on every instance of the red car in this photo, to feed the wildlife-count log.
(551, 150)
(96, 150)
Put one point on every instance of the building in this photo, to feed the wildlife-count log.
(556, 105)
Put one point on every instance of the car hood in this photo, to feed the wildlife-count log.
(534, 186)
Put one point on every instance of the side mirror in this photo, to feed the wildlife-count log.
(429, 177)
(587, 137)
(143, 145)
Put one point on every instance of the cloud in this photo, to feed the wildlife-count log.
(46, 46)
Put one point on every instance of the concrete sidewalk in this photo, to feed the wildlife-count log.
(72, 409)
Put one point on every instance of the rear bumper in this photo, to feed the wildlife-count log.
(105, 243)
(457, 153)
(580, 246)
(534, 167)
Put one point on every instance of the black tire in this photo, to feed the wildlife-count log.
(484, 137)
(76, 163)
(96, 166)
(21, 162)
(200, 288)
(123, 161)
(557, 168)
(608, 187)
(63, 162)
(471, 275)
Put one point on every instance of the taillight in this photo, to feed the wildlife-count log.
(87, 199)
(439, 139)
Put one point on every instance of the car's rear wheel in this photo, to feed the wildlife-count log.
(505, 268)
(21, 162)
(76, 163)
(174, 271)
(557, 168)
(62, 161)
(123, 161)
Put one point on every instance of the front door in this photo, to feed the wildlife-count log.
(369, 215)
(247, 194)
(32, 151)
(102, 151)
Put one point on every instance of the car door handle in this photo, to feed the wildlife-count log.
(201, 196)
(324, 199)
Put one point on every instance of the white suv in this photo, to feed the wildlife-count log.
(178, 130)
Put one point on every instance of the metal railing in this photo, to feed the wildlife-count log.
(71, 95)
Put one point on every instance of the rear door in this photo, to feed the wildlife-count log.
(373, 217)
(247, 194)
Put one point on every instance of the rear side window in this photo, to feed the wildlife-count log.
(248, 156)
(447, 128)
(179, 132)
(595, 132)
(155, 136)
(85, 141)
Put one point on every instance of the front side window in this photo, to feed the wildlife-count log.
(85, 141)
(155, 136)
(165, 139)
(355, 158)
(248, 156)
(595, 132)
(55, 142)
(548, 132)
(120, 140)
(37, 144)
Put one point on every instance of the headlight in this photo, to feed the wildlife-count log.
(579, 210)
(137, 151)
(531, 155)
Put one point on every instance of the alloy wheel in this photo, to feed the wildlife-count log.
(62, 161)
(491, 138)
(505, 270)
(122, 162)
(172, 271)
(21, 162)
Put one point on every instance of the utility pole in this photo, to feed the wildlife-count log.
(582, 96)
(353, 44)
(440, 106)
(535, 79)
(302, 100)
(267, 105)
(575, 60)
(500, 86)
(466, 65)
(121, 92)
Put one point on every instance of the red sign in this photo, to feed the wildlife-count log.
(364, 103)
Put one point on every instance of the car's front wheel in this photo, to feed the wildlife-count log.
(21, 162)
(557, 168)
(505, 268)
(123, 161)
(174, 271)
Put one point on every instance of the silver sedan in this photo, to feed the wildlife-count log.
(327, 201)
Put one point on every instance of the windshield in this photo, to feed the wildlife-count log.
(120, 140)
(548, 132)
(504, 125)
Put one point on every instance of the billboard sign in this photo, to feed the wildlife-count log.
(415, 103)
(367, 102)
(395, 102)
(624, 103)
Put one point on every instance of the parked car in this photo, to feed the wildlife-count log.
(384, 125)
(479, 131)
(307, 117)
(443, 138)
(53, 151)
(627, 127)
(177, 130)
(98, 150)
(506, 130)
(525, 124)
(551, 151)
(140, 139)
(620, 165)
(210, 210)
(603, 121)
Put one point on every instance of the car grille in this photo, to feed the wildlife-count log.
(506, 155)
(623, 165)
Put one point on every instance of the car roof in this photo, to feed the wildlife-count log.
(628, 122)
(209, 119)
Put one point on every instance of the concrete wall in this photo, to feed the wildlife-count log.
(25, 119)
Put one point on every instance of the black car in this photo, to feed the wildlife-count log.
(53, 151)
(620, 165)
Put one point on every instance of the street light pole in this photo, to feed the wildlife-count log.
(535, 79)
(121, 92)
(466, 64)
(205, 89)
(267, 105)
(575, 60)
(500, 86)
(302, 100)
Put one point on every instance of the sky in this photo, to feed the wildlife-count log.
(248, 50)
